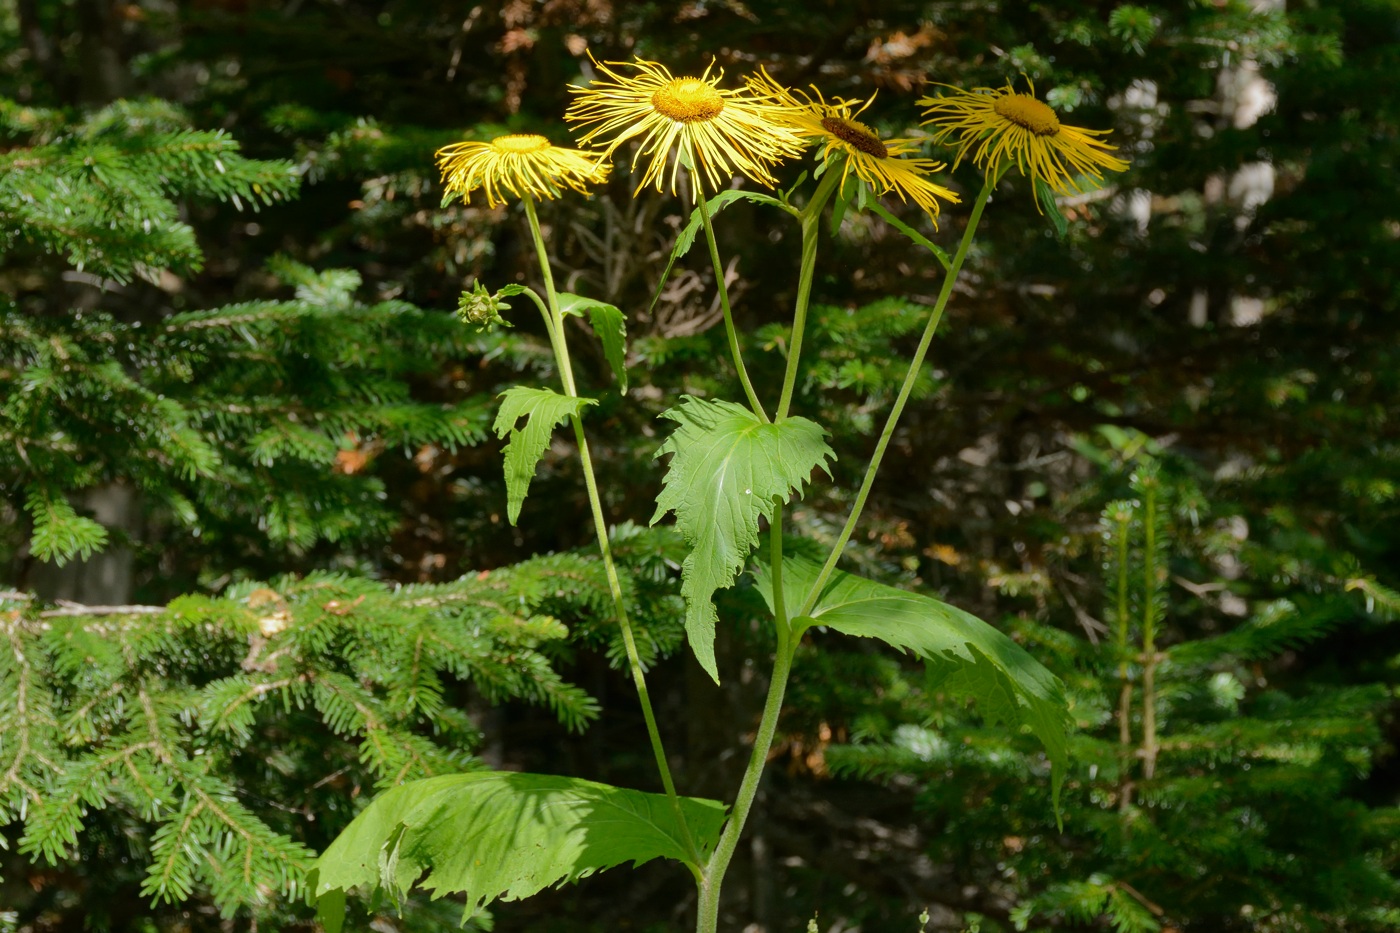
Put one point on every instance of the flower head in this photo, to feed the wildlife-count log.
(715, 130)
(522, 164)
(997, 125)
(880, 163)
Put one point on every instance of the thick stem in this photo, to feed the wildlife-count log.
(707, 920)
(914, 365)
(600, 526)
(811, 234)
(729, 330)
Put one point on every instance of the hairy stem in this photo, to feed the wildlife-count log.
(914, 365)
(729, 330)
(600, 526)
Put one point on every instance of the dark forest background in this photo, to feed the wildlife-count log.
(231, 375)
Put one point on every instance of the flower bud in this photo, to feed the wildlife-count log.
(481, 309)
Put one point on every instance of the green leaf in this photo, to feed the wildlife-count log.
(1046, 195)
(544, 409)
(968, 656)
(840, 203)
(610, 326)
(686, 238)
(330, 911)
(505, 835)
(913, 235)
(726, 470)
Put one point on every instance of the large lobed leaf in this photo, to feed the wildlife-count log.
(727, 467)
(503, 835)
(543, 409)
(968, 656)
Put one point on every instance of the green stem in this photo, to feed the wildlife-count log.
(708, 918)
(561, 355)
(628, 641)
(555, 324)
(544, 313)
(914, 365)
(733, 334)
(775, 558)
(713, 875)
(811, 230)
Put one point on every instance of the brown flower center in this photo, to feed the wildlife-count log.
(1026, 111)
(856, 135)
(519, 143)
(687, 100)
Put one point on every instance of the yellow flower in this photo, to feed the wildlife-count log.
(880, 163)
(716, 130)
(1000, 125)
(522, 164)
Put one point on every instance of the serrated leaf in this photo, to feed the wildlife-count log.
(610, 326)
(968, 656)
(505, 835)
(686, 238)
(544, 410)
(727, 467)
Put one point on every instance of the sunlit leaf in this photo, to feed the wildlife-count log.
(727, 467)
(503, 835)
(543, 409)
(967, 656)
(610, 326)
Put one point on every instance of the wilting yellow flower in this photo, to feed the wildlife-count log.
(880, 163)
(996, 125)
(716, 130)
(523, 164)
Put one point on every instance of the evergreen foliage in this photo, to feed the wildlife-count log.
(182, 725)
(249, 420)
(102, 190)
(252, 426)
(1202, 793)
